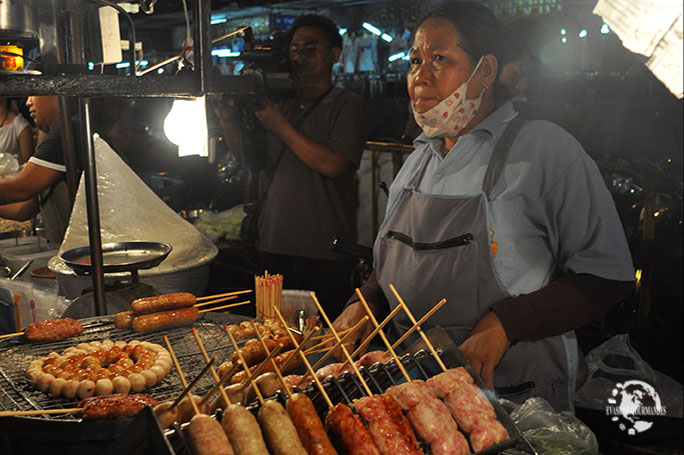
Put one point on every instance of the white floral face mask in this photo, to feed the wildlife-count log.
(452, 114)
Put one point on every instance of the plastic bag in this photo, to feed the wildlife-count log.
(36, 303)
(222, 225)
(616, 361)
(554, 433)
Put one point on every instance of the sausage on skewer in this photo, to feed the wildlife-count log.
(164, 319)
(52, 329)
(309, 426)
(243, 431)
(207, 436)
(348, 431)
(279, 430)
(162, 302)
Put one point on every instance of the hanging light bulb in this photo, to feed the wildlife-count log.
(186, 126)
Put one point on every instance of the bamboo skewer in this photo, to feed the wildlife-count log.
(329, 337)
(206, 310)
(344, 334)
(34, 412)
(420, 321)
(375, 331)
(219, 383)
(418, 328)
(257, 371)
(335, 346)
(275, 367)
(193, 382)
(214, 374)
(244, 365)
(344, 349)
(211, 302)
(216, 296)
(180, 371)
(8, 335)
(299, 347)
(306, 362)
(382, 335)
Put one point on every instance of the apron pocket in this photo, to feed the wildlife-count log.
(460, 240)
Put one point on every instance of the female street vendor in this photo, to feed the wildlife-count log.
(507, 219)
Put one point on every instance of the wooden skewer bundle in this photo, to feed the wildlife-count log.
(268, 290)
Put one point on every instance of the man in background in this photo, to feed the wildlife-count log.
(314, 146)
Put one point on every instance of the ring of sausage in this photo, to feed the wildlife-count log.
(100, 368)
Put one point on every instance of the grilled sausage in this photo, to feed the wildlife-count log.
(185, 409)
(280, 360)
(253, 351)
(166, 415)
(243, 431)
(116, 406)
(348, 432)
(279, 430)
(163, 302)
(309, 426)
(164, 319)
(123, 320)
(52, 329)
(207, 437)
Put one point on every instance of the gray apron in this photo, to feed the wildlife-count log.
(437, 246)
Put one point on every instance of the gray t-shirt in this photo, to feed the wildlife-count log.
(550, 212)
(304, 209)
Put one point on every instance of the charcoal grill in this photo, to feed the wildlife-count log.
(418, 362)
(67, 433)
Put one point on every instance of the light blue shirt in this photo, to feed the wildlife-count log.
(550, 211)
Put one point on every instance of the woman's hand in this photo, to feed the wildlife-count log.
(485, 346)
(350, 317)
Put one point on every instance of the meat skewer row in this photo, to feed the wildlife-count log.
(470, 408)
(285, 361)
(164, 319)
(50, 330)
(430, 418)
(206, 434)
(177, 300)
(391, 431)
(304, 417)
(118, 406)
(350, 435)
(269, 327)
(277, 427)
(239, 424)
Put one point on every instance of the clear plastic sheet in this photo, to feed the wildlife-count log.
(130, 211)
(617, 361)
(552, 433)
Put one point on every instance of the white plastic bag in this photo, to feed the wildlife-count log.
(616, 361)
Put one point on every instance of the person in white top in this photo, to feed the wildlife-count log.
(16, 136)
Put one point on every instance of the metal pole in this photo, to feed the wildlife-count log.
(203, 45)
(93, 211)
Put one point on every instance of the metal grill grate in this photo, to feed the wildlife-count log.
(17, 394)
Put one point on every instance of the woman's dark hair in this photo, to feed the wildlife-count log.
(323, 23)
(479, 29)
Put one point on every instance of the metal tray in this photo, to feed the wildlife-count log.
(119, 256)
